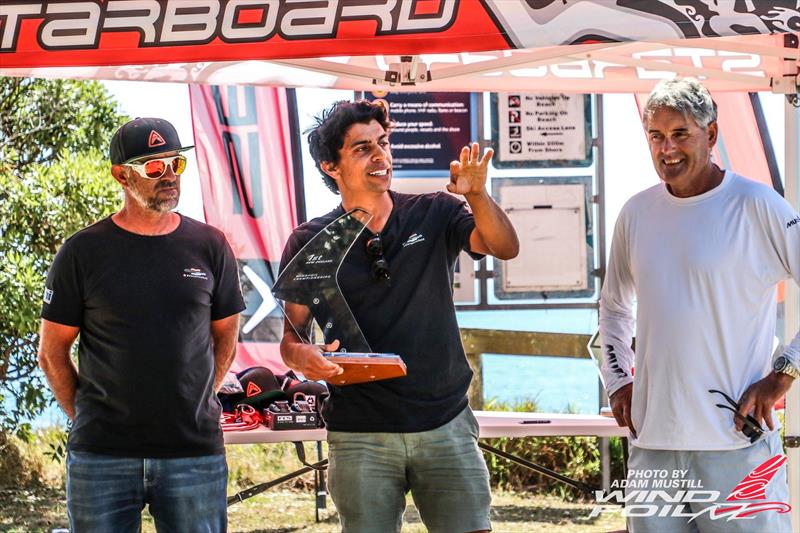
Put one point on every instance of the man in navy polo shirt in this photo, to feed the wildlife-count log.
(155, 298)
(417, 432)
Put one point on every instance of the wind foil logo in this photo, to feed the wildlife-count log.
(194, 273)
(645, 495)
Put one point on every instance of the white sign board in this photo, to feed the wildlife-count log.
(541, 127)
(464, 281)
(551, 223)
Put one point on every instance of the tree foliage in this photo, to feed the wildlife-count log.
(54, 180)
(40, 119)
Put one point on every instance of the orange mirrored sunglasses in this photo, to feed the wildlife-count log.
(155, 168)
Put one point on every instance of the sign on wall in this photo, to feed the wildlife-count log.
(429, 131)
(552, 219)
(538, 130)
(464, 280)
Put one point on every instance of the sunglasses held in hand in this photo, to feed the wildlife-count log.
(155, 168)
(751, 428)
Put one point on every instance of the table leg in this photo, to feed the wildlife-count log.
(583, 487)
(320, 485)
(252, 491)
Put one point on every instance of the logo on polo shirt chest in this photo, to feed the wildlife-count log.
(414, 238)
(195, 273)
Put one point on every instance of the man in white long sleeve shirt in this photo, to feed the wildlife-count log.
(700, 254)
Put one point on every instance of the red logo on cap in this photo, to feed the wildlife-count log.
(253, 389)
(155, 139)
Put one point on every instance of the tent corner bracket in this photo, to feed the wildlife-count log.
(409, 71)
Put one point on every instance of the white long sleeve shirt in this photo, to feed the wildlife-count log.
(702, 272)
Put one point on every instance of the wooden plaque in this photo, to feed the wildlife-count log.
(363, 368)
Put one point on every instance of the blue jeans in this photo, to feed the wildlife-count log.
(107, 493)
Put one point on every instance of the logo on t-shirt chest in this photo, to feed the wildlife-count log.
(195, 273)
(414, 238)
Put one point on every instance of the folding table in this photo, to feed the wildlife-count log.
(493, 424)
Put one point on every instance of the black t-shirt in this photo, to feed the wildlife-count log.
(412, 315)
(145, 355)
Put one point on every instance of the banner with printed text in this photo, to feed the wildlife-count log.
(244, 157)
(50, 33)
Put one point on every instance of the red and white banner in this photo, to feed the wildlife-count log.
(117, 32)
(456, 45)
(244, 156)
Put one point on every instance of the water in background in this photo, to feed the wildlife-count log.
(557, 384)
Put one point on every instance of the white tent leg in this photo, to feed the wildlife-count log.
(792, 307)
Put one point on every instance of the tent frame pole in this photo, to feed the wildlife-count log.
(792, 309)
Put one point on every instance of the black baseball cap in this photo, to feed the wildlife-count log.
(260, 386)
(142, 137)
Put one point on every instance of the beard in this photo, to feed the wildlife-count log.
(153, 202)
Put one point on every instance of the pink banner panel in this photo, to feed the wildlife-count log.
(742, 143)
(244, 155)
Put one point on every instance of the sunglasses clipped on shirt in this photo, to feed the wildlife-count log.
(751, 428)
(379, 268)
(155, 168)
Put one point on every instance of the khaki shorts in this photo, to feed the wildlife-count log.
(370, 473)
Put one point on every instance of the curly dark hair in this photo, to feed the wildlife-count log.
(326, 137)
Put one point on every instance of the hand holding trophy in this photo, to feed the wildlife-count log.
(307, 289)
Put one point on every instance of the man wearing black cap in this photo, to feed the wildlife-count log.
(155, 298)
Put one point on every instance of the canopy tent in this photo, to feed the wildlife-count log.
(431, 45)
(744, 63)
(427, 45)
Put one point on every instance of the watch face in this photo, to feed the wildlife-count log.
(780, 364)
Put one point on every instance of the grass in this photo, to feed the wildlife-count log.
(34, 509)
(511, 513)
(292, 511)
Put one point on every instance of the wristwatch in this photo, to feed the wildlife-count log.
(782, 365)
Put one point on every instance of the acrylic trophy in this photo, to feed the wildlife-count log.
(310, 280)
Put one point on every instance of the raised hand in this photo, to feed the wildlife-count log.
(468, 174)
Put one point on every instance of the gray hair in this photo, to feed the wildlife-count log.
(686, 95)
